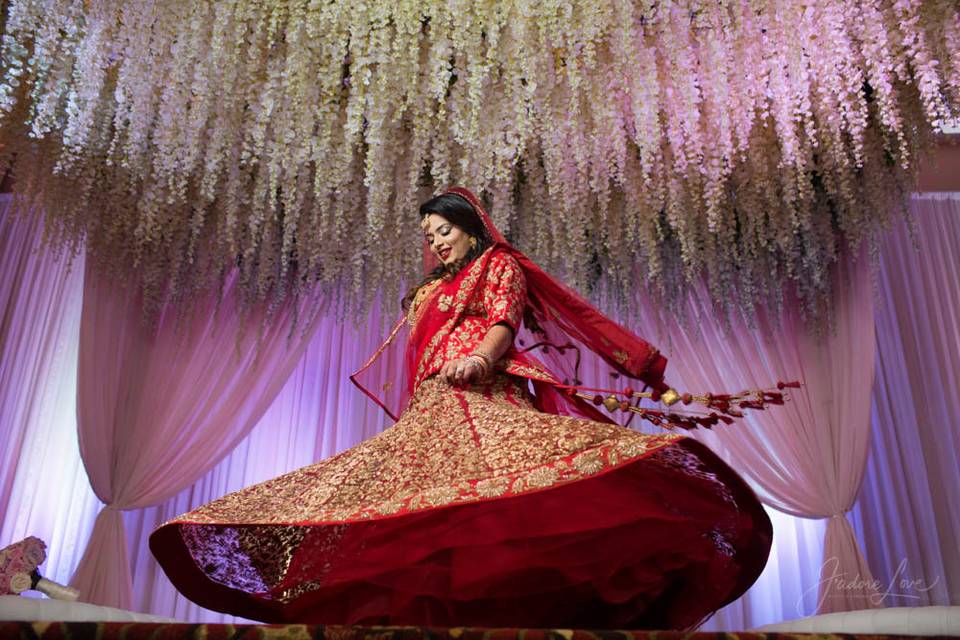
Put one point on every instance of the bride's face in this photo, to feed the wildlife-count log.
(447, 241)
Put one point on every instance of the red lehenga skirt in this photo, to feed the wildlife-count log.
(476, 509)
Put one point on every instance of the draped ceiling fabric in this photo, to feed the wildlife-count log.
(909, 505)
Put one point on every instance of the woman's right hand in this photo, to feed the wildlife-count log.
(461, 371)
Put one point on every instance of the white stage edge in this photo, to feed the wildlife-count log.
(915, 621)
(44, 609)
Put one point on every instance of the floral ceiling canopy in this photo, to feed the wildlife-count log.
(621, 143)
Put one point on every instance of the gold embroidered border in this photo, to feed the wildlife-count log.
(527, 371)
(421, 301)
(561, 471)
(386, 343)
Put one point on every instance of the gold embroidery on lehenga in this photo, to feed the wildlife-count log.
(463, 291)
(588, 462)
(527, 371)
(491, 487)
(452, 445)
(542, 477)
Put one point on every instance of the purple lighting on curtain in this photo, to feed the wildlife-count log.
(43, 485)
(914, 462)
(158, 406)
(806, 458)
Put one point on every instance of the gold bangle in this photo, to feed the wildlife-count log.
(486, 357)
(481, 362)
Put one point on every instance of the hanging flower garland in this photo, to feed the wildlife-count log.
(619, 142)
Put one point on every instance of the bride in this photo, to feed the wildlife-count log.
(500, 497)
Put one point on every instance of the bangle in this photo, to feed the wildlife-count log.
(485, 356)
(481, 362)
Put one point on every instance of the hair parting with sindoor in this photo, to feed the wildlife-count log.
(460, 212)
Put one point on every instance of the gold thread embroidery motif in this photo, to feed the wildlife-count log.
(417, 307)
(452, 446)
(431, 458)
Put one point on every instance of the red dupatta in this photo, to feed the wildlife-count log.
(558, 322)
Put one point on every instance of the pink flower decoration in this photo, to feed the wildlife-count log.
(20, 582)
(34, 551)
(18, 570)
(18, 562)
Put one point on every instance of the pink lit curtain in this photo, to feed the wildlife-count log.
(807, 458)
(317, 414)
(910, 505)
(32, 294)
(157, 407)
(883, 427)
(43, 486)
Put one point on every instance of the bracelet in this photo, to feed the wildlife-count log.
(481, 362)
(483, 355)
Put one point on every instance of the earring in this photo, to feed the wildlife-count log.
(473, 242)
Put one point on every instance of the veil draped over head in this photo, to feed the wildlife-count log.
(558, 325)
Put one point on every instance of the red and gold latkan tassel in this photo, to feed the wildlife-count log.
(724, 407)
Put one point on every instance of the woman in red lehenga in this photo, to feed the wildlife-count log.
(486, 503)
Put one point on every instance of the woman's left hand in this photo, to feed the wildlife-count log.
(461, 371)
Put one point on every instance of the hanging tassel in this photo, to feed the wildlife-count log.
(724, 407)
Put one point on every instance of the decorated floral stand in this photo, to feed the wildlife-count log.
(19, 572)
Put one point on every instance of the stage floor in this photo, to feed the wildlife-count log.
(44, 619)
(179, 631)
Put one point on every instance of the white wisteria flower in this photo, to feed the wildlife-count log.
(622, 143)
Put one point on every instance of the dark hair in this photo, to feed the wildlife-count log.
(461, 213)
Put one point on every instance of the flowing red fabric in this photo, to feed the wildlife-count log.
(659, 543)
(559, 326)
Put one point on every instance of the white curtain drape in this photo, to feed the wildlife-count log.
(43, 486)
(808, 457)
(158, 405)
(318, 413)
(914, 467)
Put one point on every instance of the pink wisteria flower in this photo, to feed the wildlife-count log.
(18, 571)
